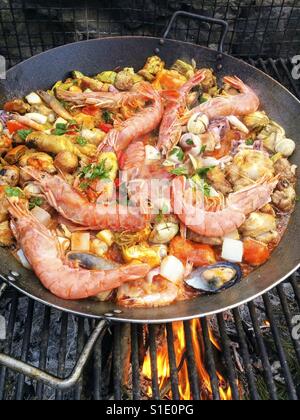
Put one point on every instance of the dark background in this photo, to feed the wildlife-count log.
(258, 28)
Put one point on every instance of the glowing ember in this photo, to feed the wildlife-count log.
(163, 366)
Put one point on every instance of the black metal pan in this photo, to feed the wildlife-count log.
(92, 56)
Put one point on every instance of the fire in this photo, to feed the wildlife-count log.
(163, 366)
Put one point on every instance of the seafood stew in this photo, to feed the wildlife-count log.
(144, 188)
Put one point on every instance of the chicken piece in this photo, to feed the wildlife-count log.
(218, 180)
(284, 197)
(285, 170)
(199, 239)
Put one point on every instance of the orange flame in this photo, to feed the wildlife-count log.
(163, 366)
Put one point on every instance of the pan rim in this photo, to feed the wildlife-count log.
(118, 317)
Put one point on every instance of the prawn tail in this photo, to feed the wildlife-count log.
(234, 81)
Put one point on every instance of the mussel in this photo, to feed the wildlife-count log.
(90, 261)
(214, 278)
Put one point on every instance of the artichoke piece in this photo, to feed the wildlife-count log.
(107, 77)
(126, 79)
(88, 82)
(184, 68)
(153, 66)
(6, 236)
(256, 120)
(9, 175)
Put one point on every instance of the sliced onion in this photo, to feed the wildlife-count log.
(33, 99)
(172, 269)
(23, 260)
(41, 215)
(232, 250)
(38, 118)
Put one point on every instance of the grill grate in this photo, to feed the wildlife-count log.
(256, 28)
(260, 358)
(47, 338)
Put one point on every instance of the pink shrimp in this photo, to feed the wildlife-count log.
(94, 216)
(146, 181)
(171, 128)
(221, 222)
(244, 103)
(42, 251)
(111, 100)
(137, 126)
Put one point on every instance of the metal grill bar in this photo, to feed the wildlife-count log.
(231, 372)
(153, 358)
(190, 357)
(136, 386)
(282, 357)
(210, 362)
(263, 353)
(44, 348)
(246, 356)
(172, 361)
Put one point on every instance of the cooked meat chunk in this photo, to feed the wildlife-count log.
(218, 180)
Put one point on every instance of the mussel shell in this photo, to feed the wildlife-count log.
(197, 282)
(91, 262)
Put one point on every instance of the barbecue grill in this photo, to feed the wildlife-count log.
(252, 352)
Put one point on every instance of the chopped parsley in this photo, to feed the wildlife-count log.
(178, 152)
(249, 142)
(204, 171)
(35, 202)
(84, 186)
(107, 117)
(81, 141)
(190, 142)
(60, 129)
(24, 133)
(202, 100)
(13, 192)
(203, 149)
(206, 189)
(179, 171)
(95, 171)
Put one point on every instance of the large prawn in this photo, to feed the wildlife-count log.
(141, 294)
(94, 216)
(110, 100)
(42, 251)
(222, 221)
(244, 103)
(137, 126)
(171, 126)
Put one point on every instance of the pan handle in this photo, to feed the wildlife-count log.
(202, 18)
(48, 379)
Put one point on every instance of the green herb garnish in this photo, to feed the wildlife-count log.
(206, 189)
(107, 117)
(60, 129)
(179, 171)
(203, 148)
(203, 100)
(249, 142)
(81, 141)
(24, 133)
(178, 153)
(35, 202)
(98, 171)
(190, 142)
(204, 171)
(84, 186)
(13, 192)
